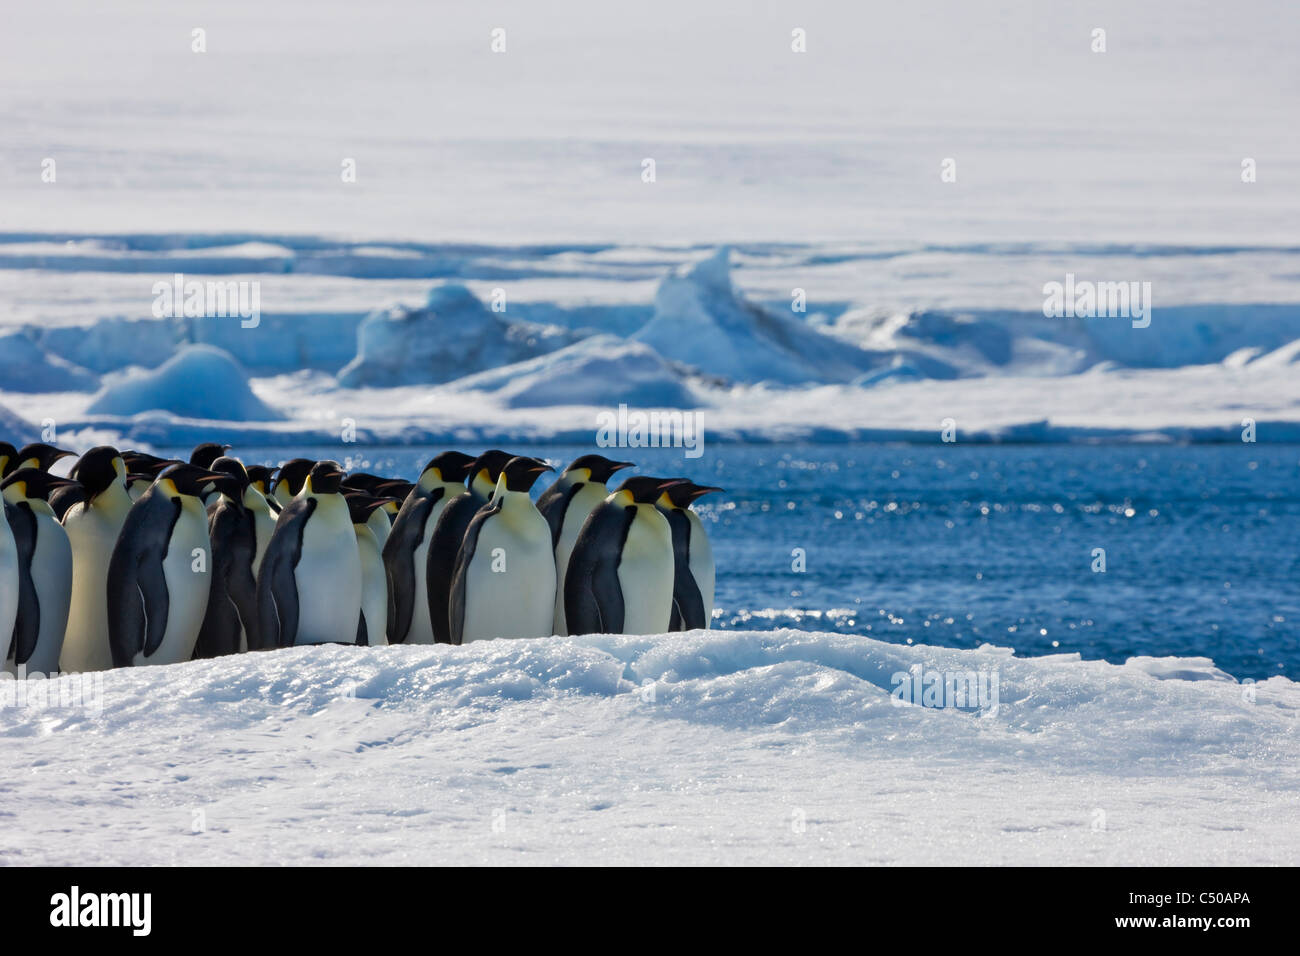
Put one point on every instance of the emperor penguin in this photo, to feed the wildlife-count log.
(372, 630)
(93, 525)
(693, 575)
(231, 615)
(504, 581)
(620, 577)
(289, 481)
(309, 587)
(39, 456)
(7, 454)
(160, 574)
(406, 550)
(449, 533)
(44, 571)
(565, 506)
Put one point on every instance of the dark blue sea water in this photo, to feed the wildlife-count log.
(961, 545)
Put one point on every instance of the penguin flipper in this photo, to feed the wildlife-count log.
(444, 547)
(593, 598)
(27, 626)
(399, 560)
(277, 589)
(456, 597)
(138, 600)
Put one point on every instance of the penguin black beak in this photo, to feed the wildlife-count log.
(699, 491)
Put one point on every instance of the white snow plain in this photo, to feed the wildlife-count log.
(697, 748)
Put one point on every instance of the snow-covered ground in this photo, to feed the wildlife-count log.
(758, 747)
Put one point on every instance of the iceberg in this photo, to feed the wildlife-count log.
(702, 321)
(451, 335)
(26, 367)
(200, 381)
(602, 370)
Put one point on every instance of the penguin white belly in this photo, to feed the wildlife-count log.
(584, 500)
(328, 576)
(187, 589)
(421, 631)
(374, 588)
(701, 565)
(518, 601)
(8, 585)
(52, 578)
(645, 574)
(93, 534)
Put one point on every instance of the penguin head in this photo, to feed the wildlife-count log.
(143, 463)
(645, 490)
(486, 469)
(37, 455)
(361, 505)
(451, 467)
(293, 474)
(259, 476)
(683, 493)
(33, 483)
(324, 478)
(98, 469)
(189, 480)
(520, 474)
(204, 455)
(363, 481)
(7, 454)
(595, 468)
(233, 469)
(393, 489)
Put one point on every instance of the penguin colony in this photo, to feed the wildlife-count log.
(135, 559)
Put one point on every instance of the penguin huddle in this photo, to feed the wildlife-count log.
(135, 559)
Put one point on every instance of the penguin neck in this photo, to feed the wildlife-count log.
(481, 486)
(513, 504)
(41, 507)
(327, 504)
(378, 522)
(254, 500)
(113, 500)
(13, 494)
(580, 476)
(431, 480)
